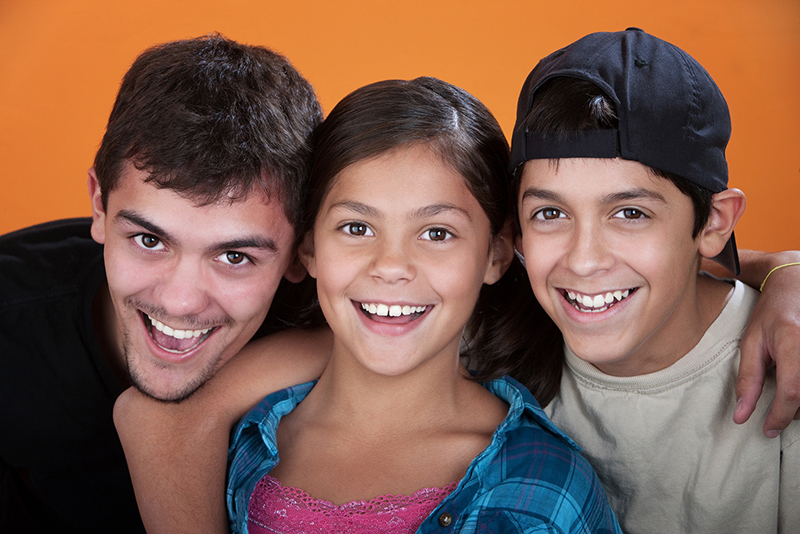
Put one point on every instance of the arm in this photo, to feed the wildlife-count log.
(771, 339)
(177, 453)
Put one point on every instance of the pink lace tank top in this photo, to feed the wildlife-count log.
(278, 509)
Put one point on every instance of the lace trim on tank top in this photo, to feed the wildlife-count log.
(278, 509)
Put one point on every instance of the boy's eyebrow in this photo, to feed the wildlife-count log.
(255, 241)
(632, 194)
(542, 194)
(621, 196)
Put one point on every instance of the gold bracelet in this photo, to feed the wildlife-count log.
(775, 269)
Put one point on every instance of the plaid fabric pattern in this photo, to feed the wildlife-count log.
(531, 478)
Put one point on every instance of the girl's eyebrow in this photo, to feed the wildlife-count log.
(419, 213)
(358, 207)
(436, 209)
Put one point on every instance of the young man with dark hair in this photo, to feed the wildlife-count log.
(619, 152)
(195, 192)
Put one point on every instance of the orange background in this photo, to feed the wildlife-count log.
(61, 62)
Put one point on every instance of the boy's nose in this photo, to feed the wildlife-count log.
(588, 252)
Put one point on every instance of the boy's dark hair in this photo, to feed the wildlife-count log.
(563, 106)
(212, 119)
(670, 115)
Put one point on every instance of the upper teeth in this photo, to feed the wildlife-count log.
(177, 334)
(598, 303)
(391, 311)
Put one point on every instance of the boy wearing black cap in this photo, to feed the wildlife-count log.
(619, 153)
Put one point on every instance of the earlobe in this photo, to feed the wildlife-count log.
(305, 253)
(727, 208)
(98, 211)
(296, 271)
(502, 254)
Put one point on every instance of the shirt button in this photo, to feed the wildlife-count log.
(445, 519)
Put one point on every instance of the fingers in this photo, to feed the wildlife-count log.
(752, 372)
(786, 406)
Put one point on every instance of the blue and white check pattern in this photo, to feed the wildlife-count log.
(531, 478)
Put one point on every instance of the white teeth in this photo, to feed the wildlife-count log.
(395, 310)
(597, 303)
(177, 334)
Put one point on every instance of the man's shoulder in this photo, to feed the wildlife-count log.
(48, 257)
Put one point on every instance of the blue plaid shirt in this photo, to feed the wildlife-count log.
(531, 478)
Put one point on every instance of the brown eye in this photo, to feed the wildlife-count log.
(632, 213)
(550, 213)
(547, 214)
(437, 234)
(149, 241)
(357, 228)
(234, 257)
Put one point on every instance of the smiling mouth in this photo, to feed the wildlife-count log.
(596, 303)
(394, 312)
(174, 340)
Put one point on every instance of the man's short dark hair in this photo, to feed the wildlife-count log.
(212, 119)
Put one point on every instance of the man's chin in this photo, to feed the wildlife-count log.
(167, 388)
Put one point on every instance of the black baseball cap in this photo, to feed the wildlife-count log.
(672, 116)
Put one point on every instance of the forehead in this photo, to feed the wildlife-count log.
(255, 213)
(575, 178)
(416, 173)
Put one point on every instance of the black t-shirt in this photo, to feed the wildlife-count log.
(62, 467)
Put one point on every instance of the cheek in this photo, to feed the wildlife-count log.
(541, 256)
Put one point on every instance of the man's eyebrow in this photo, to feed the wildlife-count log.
(133, 217)
(255, 241)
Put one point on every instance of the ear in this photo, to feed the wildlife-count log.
(98, 211)
(726, 209)
(305, 252)
(296, 270)
(502, 253)
(519, 248)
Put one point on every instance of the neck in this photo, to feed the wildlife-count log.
(107, 334)
(348, 392)
(705, 299)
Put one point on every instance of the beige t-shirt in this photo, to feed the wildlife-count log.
(665, 445)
